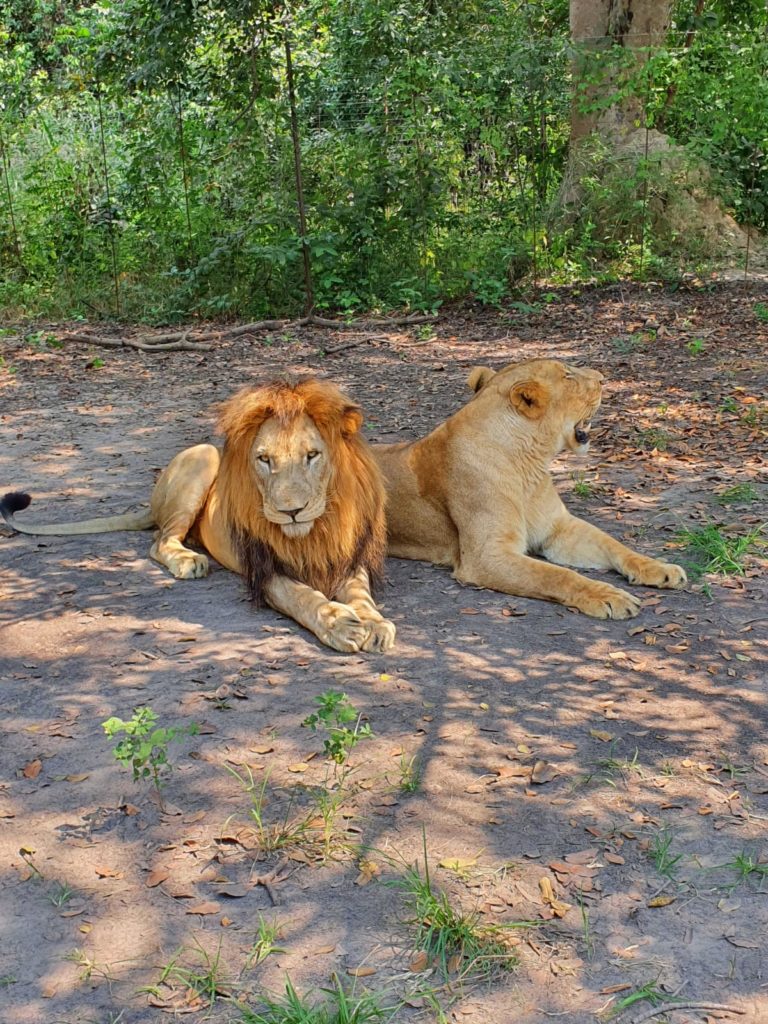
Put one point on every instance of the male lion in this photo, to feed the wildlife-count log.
(476, 493)
(294, 503)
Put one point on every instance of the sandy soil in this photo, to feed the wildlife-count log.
(625, 763)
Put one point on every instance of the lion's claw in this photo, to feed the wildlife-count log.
(381, 636)
(341, 627)
(653, 573)
(606, 602)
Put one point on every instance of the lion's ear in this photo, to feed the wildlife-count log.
(351, 420)
(529, 398)
(479, 377)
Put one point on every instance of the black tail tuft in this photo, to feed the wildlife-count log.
(14, 501)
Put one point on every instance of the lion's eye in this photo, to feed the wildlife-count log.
(311, 456)
(264, 460)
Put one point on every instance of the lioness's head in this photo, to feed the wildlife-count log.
(285, 438)
(559, 400)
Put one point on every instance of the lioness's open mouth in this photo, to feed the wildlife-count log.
(581, 431)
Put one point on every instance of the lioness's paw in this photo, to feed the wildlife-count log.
(606, 602)
(381, 636)
(340, 627)
(651, 573)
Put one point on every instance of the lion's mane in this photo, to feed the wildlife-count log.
(350, 534)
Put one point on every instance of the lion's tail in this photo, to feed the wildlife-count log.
(16, 501)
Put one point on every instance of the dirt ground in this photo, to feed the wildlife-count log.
(605, 781)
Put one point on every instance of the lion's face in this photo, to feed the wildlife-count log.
(559, 400)
(292, 469)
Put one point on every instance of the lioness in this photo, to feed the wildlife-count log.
(476, 494)
(294, 502)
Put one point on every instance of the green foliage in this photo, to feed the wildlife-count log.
(144, 748)
(334, 715)
(434, 140)
(338, 1007)
(739, 494)
(712, 551)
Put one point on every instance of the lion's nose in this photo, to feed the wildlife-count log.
(292, 512)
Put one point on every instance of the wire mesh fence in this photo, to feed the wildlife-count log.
(403, 187)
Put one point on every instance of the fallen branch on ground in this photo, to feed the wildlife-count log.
(190, 341)
(670, 1007)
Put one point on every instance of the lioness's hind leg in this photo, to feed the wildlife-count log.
(177, 500)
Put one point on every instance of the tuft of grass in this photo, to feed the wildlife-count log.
(654, 437)
(747, 865)
(650, 992)
(60, 894)
(695, 346)
(456, 942)
(659, 852)
(761, 311)
(339, 1007)
(582, 488)
(410, 774)
(712, 551)
(737, 495)
(206, 978)
(622, 766)
(267, 935)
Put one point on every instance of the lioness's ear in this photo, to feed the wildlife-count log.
(529, 398)
(351, 420)
(479, 377)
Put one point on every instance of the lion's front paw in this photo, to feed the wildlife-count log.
(187, 565)
(606, 602)
(340, 627)
(381, 636)
(652, 573)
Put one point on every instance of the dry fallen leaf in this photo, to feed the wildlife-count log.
(543, 772)
(207, 907)
(661, 901)
(361, 972)
(419, 962)
(109, 872)
(156, 877)
(559, 907)
(77, 778)
(32, 769)
(299, 767)
(600, 734)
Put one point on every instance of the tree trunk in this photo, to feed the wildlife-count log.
(597, 26)
(647, 181)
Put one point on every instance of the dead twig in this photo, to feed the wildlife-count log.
(649, 1014)
(176, 341)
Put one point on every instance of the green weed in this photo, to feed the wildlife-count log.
(659, 852)
(265, 943)
(747, 865)
(582, 488)
(737, 495)
(454, 941)
(333, 715)
(198, 972)
(339, 1007)
(695, 346)
(145, 746)
(649, 992)
(654, 437)
(60, 894)
(761, 311)
(410, 774)
(712, 551)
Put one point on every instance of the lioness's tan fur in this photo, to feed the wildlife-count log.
(477, 495)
